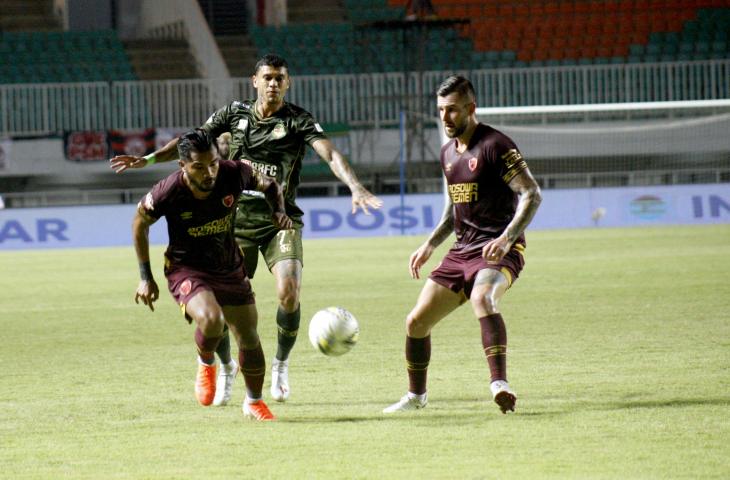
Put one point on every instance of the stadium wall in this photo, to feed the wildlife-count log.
(55, 163)
(41, 228)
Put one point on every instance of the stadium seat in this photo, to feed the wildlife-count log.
(41, 53)
(606, 31)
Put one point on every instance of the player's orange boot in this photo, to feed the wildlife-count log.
(257, 410)
(205, 384)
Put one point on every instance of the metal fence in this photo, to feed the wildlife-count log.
(357, 100)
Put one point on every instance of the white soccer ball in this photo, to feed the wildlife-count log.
(333, 331)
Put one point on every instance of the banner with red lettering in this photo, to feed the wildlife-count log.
(89, 146)
(132, 142)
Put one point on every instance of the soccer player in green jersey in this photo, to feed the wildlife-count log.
(271, 135)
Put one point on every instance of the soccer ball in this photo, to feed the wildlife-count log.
(333, 331)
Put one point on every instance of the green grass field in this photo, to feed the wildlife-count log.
(619, 353)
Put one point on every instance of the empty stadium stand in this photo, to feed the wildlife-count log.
(161, 59)
(505, 34)
(228, 21)
(55, 57)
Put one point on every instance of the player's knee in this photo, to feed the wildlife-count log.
(249, 338)
(289, 297)
(484, 303)
(211, 321)
(416, 326)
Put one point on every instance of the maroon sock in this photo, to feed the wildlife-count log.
(206, 346)
(253, 367)
(418, 354)
(494, 341)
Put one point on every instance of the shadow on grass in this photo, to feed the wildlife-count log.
(469, 410)
(587, 406)
(672, 403)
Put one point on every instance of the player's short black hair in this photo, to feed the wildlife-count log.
(197, 140)
(271, 60)
(458, 84)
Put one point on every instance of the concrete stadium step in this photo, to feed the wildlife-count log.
(239, 52)
(161, 59)
(316, 11)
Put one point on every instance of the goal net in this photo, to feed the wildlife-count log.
(608, 145)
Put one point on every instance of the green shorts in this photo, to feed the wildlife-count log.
(275, 245)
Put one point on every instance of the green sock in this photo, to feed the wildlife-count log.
(288, 328)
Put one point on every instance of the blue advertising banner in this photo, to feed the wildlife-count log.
(97, 226)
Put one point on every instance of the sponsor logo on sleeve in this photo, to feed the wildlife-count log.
(319, 128)
(149, 203)
(242, 124)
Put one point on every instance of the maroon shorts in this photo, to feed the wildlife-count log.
(458, 269)
(230, 289)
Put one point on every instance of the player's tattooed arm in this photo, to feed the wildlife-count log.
(275, 198)
(528, 200)
(361, 197)
(445, 227)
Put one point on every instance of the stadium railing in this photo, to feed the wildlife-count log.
(358, 100)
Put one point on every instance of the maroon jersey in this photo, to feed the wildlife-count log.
(477, 182)
(201, 231)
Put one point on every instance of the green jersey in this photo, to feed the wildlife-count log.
(274, 146)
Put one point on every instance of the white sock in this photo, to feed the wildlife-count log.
(230, 365)
(419, 397)
(201, 362)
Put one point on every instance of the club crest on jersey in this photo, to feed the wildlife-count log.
(242, 124)
(473, 163)
(186, 215)
(448, 168)
(186, 287)
(278, 132)
(228, 201)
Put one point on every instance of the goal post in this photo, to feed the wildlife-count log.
(620, 144)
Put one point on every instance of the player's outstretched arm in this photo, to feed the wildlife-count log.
(361, 197)
(528, 199)
(147, 290)
(121, 163)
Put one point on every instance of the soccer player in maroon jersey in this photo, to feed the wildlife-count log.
(203, 263)
(492, 196)
(272, 134)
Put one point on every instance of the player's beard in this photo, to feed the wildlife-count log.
(458, 130)
(206, 186)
